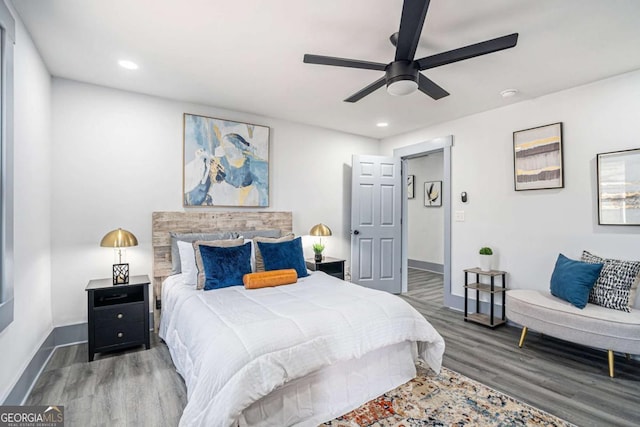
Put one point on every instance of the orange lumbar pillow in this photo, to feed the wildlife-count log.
(265, 279)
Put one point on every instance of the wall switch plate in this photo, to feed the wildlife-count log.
(459, 216)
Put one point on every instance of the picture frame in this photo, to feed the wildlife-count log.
(619, 187)
(410, 188)
(433, 194)
(224, 163)
(538, 161)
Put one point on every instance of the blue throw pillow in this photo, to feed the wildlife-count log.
(572, 280)
(224, 267)
(283, 255)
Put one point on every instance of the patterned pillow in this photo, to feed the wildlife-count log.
(617, 284)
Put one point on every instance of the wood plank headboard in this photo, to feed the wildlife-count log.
(204, 222)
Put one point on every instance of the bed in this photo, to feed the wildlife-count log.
(299, 354)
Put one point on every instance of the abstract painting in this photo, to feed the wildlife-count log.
(433, 193)
(537, 158)
(410, 190)
(225, 163)
(619, 187)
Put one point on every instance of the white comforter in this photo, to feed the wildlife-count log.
(233, 346)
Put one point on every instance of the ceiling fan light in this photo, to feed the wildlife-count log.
(402, 87)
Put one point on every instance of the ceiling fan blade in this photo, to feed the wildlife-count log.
(428, 87)
(411, 22)
(367, 90)
(343, 62)
(471, 51)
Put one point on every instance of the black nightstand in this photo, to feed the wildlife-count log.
(331, 266)
(118, 314)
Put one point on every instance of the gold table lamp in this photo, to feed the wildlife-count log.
(118, 239)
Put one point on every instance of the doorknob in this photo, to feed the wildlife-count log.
(356, 232)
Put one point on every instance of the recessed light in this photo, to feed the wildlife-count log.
(508, 93)
(382, 124)
(129, 65)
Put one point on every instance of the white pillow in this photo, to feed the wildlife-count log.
(188, 262)
(253, 254)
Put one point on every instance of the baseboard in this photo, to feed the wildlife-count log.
(70, 334)
(426, 265)
(32, 372)
(60, 336)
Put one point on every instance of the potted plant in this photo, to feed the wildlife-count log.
(486, 258)
(317, 250)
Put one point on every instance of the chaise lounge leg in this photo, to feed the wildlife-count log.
(524, 334)
(611, 358)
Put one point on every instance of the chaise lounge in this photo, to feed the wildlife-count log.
(598, 326)
(593, 326)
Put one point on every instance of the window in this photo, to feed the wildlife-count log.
(7, 39)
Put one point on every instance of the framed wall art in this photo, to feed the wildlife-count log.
(225, 163)
(410, 189)
(619, 187)
(433, 193)
(537, 158)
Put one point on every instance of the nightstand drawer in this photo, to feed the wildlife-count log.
(124, 313)
(118, 295)
(120, 334)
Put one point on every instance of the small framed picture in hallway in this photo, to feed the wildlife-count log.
(433, 193)
(410, 189)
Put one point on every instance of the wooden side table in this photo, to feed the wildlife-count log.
(492, 288)
(118, 314)
(332, 266)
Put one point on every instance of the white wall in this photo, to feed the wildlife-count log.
(528, 229)
(117, 157)
(426, 224)
(32, 230)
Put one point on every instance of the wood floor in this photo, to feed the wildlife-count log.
(142, 388)
(567, 380)
(131, 388)
(425, 286)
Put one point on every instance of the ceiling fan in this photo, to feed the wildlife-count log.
(402, 75)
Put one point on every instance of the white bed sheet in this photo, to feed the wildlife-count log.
(269, 356)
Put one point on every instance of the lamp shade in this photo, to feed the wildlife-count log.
(119, 239)
(320, 230)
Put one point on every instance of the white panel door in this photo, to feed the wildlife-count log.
(376, 222)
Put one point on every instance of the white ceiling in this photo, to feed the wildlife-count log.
(247, 55)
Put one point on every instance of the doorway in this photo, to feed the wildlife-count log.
(425, 226)
(438, 145)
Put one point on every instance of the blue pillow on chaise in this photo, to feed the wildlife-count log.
(572, 280)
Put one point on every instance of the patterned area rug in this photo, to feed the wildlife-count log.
(447, 399)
